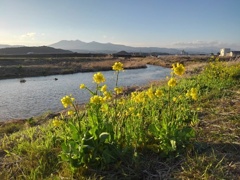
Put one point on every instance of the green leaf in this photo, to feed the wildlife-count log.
(153, 129)
(74, 131)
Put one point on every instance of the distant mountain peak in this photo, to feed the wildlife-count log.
(97, 47)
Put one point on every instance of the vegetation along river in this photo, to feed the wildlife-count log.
(42, 94)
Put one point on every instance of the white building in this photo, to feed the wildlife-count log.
(225, 52)
(228, 52)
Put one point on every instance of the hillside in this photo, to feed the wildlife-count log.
(80, 46)
(32, 50)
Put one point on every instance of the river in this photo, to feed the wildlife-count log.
(39, 95)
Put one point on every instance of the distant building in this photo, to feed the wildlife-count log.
(228, 52)
(225, 52)
(234, 53)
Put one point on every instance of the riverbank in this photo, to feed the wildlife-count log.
(192, 67)
(21, 67)
(212, 154)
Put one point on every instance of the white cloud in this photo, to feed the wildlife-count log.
(28, 36)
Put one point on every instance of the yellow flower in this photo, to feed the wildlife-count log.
(158, 93)
(82, 86)
(138, 98)
(193, 93)
(118, 90)
(104, 109)
(178, 69)
(96, 99)
(70, 113)
(172, 82)
(138, 115)
(118, 66)
(150, 93)
(122, 101)
(56, 122)
(98, 78)
(67, 101)
(104, 88)
(131, 109)
(107, 96)
(174, 99)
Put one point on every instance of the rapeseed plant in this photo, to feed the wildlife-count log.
(172, 82)
(178, 69)
(126, 123)
(159, 93)
(57, 122)
(67, 101)
(82, 86)
(96, 99)
(98, 78)
(118, 66)
(104, 88)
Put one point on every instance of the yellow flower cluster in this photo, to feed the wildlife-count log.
(159, 93)
(104, 88)
(118, 90)
(67, 101)
(192, 93)
(96, 99)
(118, 66)
(150, 93)
(172, 82)
(178, 69)
(98, 78)
(70, 112)
(122, 101)
(82, 86)
(138, 97)
(107, 96)
(56, 122)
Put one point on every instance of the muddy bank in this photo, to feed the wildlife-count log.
(20, 67)
(32, 67)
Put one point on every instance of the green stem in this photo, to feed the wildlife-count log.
(78, 117)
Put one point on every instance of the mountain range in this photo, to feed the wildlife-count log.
(32, 50)
(109, 48)
(96, 47)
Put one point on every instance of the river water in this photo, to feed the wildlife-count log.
(42, 94)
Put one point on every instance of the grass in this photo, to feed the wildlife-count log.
(34, 152)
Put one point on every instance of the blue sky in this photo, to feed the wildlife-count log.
(156, 23)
